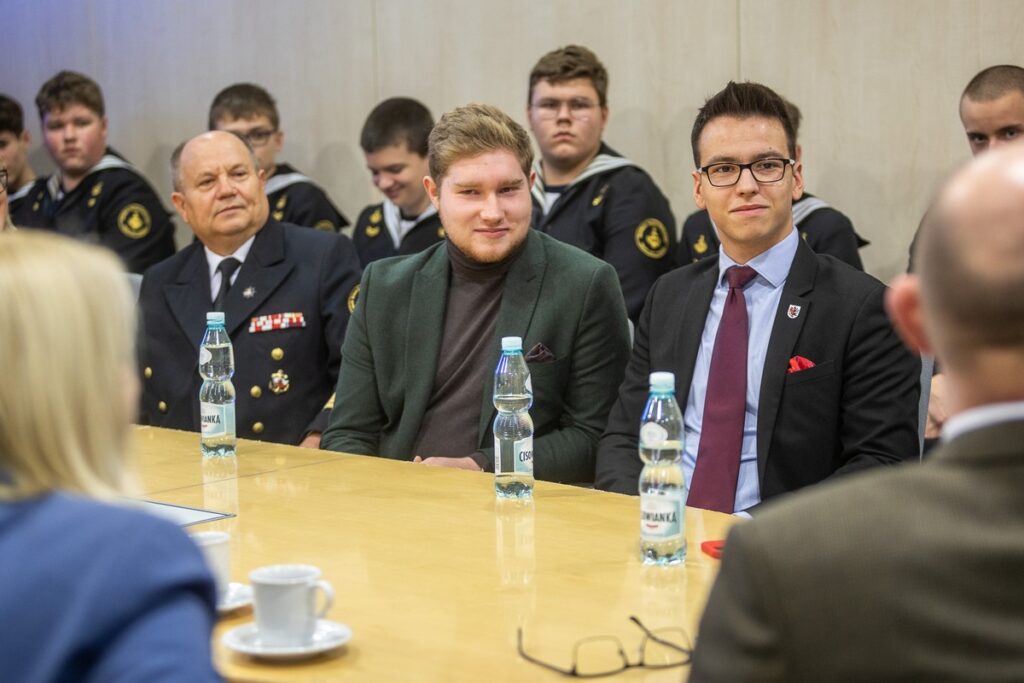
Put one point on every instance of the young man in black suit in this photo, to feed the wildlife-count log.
(808, 378)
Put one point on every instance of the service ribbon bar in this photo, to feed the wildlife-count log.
(276, 321)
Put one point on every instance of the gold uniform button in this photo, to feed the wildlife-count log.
(162, 407)
(147, 373)
(255, 392)
(277, 354)
(257, 428)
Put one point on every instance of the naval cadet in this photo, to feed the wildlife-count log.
(394, 141)
(14, 144)
(825, 230)
(285, 292)
(586, 193)
(249, 110)
(95, 195)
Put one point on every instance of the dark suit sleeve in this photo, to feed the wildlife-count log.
(599, 355)
(357, 418)
(740, 633)
(132, 221)
(881, 391)
(339, 276)
(632, 201)
(618, 460)
(830, 232)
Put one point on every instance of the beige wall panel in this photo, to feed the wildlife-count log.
(655, 52)
(878, 83)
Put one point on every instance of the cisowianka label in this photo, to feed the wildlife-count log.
(661, 515)
(216, 420)
(519, 461)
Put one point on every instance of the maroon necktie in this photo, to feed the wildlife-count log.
(721, 434)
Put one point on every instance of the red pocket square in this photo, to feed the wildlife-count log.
(798, 363)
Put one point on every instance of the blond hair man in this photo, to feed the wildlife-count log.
(418, 359)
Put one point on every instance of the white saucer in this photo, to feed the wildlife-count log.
(239, 595)
(327, 636)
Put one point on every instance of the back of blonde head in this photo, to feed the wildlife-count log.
(67, 329)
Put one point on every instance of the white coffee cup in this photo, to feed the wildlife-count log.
(284, 598)
(216, 547)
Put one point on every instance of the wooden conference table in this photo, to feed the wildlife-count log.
(432, 574)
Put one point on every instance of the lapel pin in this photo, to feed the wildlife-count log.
(249, 292)
(793, 311)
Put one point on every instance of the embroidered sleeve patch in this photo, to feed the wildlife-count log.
(353, 296)
(133, 221)
(276, 321)
(651, 238)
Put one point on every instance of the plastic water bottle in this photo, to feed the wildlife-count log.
(513, 427)
(662, 485)
(217, 395)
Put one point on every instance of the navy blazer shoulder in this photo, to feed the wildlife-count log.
(96, 592)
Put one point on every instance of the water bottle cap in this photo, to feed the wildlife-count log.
(215, 317)
(663, 381)
(511, 343)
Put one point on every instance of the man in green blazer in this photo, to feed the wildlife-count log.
(418, 360)
(912, 573)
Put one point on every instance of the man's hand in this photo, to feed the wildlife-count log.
(937, 412)
(466, 463)
(312, 440)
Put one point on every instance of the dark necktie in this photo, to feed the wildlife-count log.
(721, 434)
(227, 267)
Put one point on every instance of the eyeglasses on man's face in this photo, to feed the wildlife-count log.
(727, 173)
(599, 656)
(580, 108)
(3, 180)
(258, 137)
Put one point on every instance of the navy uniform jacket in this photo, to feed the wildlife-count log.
(94, 592)
(294, 198)
(826, 231)
(856, 408)
(283, 377)
(618, 215)
(113, 206)
(15, 200)
(373, 241)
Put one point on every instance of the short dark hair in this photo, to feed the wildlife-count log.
(12, 119)
(397, 120)
(567, 63)
(68, 88)
(795, 117)
(994, 82)
(243, 101)
(743, 100)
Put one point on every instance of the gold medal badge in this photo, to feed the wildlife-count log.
(353, 296)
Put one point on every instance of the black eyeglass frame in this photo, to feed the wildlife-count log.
(704, 170)
(626, 664)
(3, 180)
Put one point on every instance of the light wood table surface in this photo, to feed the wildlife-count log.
(431, 572)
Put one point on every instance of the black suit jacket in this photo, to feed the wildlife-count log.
(856, 408)
(288, 270)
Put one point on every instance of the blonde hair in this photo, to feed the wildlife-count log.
(67, 328)
(472, 130)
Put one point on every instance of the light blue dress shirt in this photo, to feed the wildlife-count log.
(762, 294)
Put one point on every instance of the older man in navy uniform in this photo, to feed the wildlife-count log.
(285, 291)
(96, 195)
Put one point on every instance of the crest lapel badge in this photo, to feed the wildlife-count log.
(249, 292)
(279, 382)
(793, 311)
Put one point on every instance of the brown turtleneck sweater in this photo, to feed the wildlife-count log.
(450, 425)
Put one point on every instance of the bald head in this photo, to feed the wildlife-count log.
(218, 190)
(972, 259)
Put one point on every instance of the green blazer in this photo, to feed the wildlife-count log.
(555, 294)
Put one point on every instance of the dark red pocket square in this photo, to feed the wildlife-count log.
(798, 363)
